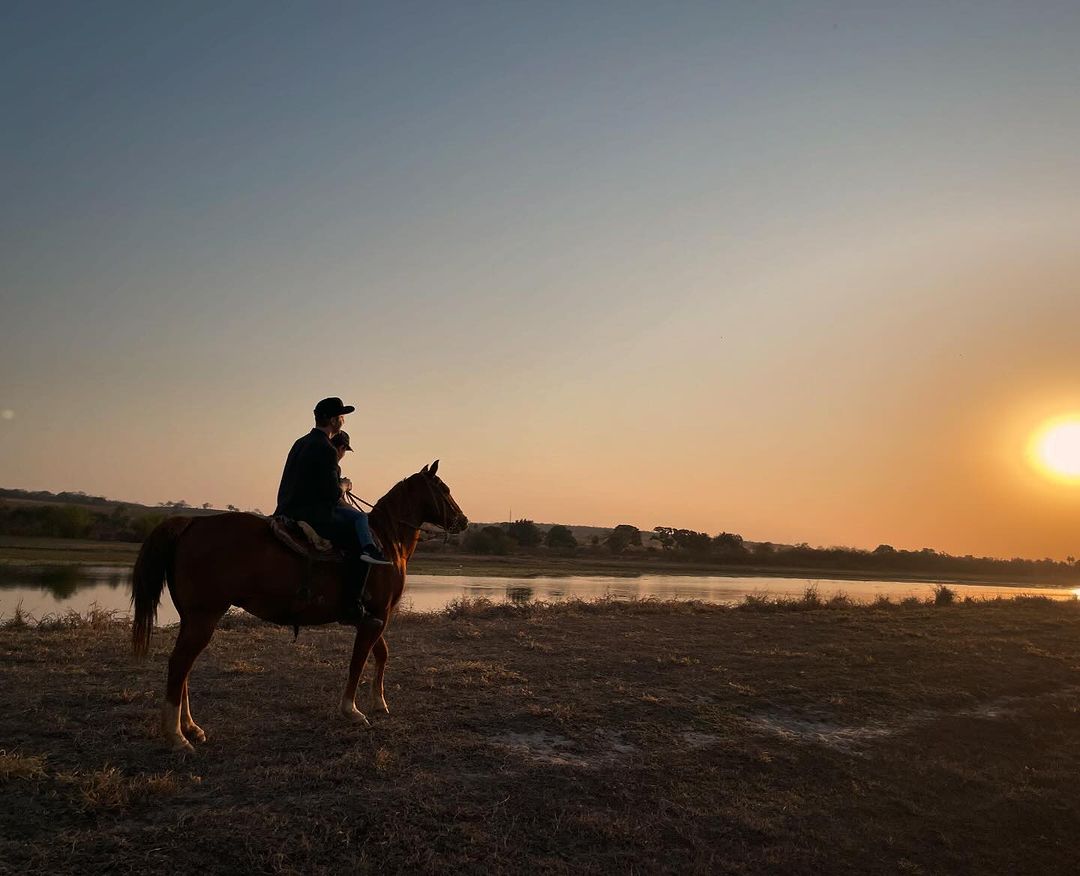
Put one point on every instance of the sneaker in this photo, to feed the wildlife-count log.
(373, 555)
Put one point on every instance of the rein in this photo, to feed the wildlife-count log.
(419, 527)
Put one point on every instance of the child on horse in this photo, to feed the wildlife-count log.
(350, 516)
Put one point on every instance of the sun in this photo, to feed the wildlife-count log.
(1056, 448)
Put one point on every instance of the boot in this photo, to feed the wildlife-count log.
(353, 610)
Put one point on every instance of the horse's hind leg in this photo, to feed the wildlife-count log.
(188, 727)
(380, 651)
(196, 630)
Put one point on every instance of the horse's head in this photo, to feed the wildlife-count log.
(434, 501)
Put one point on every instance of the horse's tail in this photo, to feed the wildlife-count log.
(152, 568)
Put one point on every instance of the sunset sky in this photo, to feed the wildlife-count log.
(802, 271)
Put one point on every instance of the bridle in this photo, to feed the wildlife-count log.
(419, 527)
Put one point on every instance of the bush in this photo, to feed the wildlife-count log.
(489, 540)
(526, 533)
(560, 537)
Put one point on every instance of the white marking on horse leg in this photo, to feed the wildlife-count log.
(187, 724)
(380, 651)
(349, 710)
(170, 728)
(378, 700)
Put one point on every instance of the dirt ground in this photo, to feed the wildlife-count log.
(586, 738)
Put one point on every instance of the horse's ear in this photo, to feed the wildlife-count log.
(423, 470)
(434, 468)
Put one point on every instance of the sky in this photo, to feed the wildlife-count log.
(805, 272)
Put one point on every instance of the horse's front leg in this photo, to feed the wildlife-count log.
(380, 651)
(364, 640)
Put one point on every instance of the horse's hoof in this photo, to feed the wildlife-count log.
(357, 717)
(180, 745)
(195, 732)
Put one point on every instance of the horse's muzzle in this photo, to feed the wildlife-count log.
(459, 524)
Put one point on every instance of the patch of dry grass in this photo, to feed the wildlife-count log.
(20, 767)
(93, 618)
(243, 667)
(109, 788)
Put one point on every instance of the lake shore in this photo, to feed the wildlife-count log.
(582, 737)
(21, 551)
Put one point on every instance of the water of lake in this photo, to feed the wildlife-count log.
(53, 590)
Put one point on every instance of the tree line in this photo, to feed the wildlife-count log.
(121, 523)
(680, 545)
(93, 517)
(78, 515)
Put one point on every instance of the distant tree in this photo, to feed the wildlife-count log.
(560, 537)
(232, 508)
(144, 524)
(884, 549)
(764, 548)
(729, 543)
(526, 533)
(206, 506)
(665, 535)
(489, 540)
(69, 521)
(621, 537)
(683, 539)
(693, 542)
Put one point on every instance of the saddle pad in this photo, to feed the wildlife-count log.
(300, 538)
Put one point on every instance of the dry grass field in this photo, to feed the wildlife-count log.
(582, 737)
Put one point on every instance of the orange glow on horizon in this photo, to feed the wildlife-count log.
(1055, 449)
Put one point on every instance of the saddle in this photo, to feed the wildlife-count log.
(301, 539)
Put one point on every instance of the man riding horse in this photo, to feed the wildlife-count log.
(310, 491)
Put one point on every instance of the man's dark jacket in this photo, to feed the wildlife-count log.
(309, 484)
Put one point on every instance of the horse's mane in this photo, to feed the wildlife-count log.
(394, 493)
(391, 512)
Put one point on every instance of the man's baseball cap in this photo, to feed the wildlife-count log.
(332, 407)
(341, 439)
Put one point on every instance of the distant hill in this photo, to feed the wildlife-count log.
(98, 503)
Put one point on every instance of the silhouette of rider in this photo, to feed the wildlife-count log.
(310, 491)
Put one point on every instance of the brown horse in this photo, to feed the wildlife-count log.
(211, 563)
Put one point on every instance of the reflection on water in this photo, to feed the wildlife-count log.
(43, 590)
(519, 594)
(61, 581)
